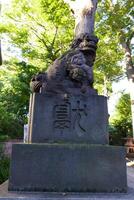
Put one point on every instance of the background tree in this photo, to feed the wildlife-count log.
(118, 21)
(4, 165)
(14, 98)
(37, 29)
(0, 42)
(121, 123)
(0, 54)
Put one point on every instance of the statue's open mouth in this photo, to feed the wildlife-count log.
(88, 46)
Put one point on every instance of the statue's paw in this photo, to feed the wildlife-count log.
(37, 82)
(35, 86)
(77, 74)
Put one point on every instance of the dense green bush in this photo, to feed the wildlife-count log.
(4, 166)
(121, 123)
(119, 131)
(14, 99)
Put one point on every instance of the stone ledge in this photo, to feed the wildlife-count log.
(68, 168)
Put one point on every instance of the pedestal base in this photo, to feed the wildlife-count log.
(68, 168)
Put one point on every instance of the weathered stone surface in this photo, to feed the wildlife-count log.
(68, 168)
(72, 72)
(74, 118)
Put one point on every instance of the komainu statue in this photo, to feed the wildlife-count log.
(72, 73)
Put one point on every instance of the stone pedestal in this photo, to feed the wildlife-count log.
(68, 148)
(61, 118)
(68, 168)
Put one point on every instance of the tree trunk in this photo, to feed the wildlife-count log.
(130, 76)
(0, 54)
(84, 13)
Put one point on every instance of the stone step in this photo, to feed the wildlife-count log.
(68, 168)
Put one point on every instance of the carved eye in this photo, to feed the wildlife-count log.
(87, 38)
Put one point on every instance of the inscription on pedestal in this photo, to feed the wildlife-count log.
(62, 116)
(80, 112)
(70, 117)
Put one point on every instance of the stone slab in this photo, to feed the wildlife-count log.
(59, 118)
(68, 168)
(6, 195)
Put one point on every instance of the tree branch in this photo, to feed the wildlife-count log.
(40, 39)
(37, 21)
(130, 37)
(56, 31)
